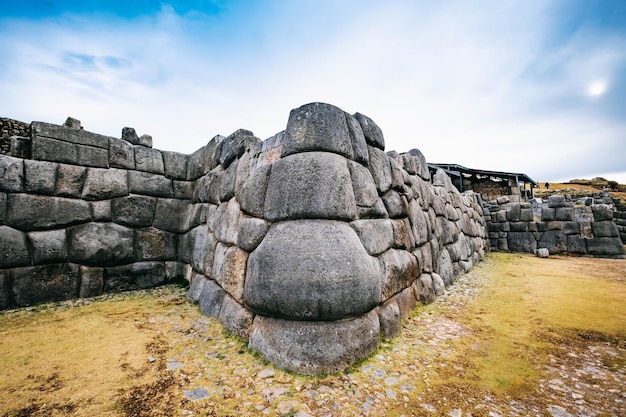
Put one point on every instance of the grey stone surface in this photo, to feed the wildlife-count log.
(92, 157)
(406, 301)
(40, 176)
(389, 318)
(205, 158)
(380, 168)
(522, 242)
(605, 228)
(183, 189)
(553, 240)
(133, 211)
(235, 318)
(396, 204)
(564, 214)
(400, 270)
(368, 203)
(100, 244)
(542, 253)
(226, 222)
(45, 283)
(417, 162)
(373, 134)
(226, 184)
(313, 348)
(102, 184)
(169, 215)
(556, 200)
(130, 135)
(12, 174)
(235, 144)
(376, 235)
(145, 140)
(576, 244)
(33, 212)
(3, 207)
(175, 165)
(229, 269)
(101, 211)
(317, 127)
(5, 300)
(402, 234)
(446, 270)
(419, 223)
(357, 138)
(70, 180)
(13, 248)
(251, 195)
(424, 289)
(147, 183)
(602, 212)
(605, 247)
(311, 270)
(49, 246)
(251, 232)
(121, 154)
(154, 244)
(196, 286)
(91, 281)
(439, 286)
(211, 299)
(69, 134)
(310, 185)
(45, 149)
(138, 275)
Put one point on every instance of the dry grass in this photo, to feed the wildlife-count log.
(502, 325)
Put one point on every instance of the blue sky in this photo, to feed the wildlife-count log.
(525, 86)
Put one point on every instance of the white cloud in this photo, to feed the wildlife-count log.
(467, 84)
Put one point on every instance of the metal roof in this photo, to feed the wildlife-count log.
(456, 169)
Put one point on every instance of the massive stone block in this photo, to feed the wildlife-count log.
(49, 246)
(312, 270)
(315, 347)
(12, 174)
(13, 248)
(40, 176)
(133, 211)
(40, 284)
(101, 184)
(101, 244)
(317, 127)
(139, 275)
(34, 212)
(70, 180)
(310, 185)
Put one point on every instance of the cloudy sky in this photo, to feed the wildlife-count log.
(537, 86)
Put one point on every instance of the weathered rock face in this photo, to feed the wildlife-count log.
(311, 244)
(556, 226)
(331, 234)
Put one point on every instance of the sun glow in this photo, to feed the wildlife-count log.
(597, 88)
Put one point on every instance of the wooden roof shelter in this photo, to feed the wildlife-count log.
(461, 175)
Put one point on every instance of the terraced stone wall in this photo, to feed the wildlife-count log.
(82, 214)
(558, 225)
(311, 244)
(317, 242)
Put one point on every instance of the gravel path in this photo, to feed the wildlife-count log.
(412, 375)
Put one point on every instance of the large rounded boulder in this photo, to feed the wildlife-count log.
(312, 270)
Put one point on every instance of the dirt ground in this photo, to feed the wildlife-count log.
(517, 336)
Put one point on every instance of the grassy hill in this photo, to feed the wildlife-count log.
(583, 187)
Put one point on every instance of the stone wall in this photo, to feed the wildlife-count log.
(558, 225)
(317, 242)
(310, 245)
(89, 213)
